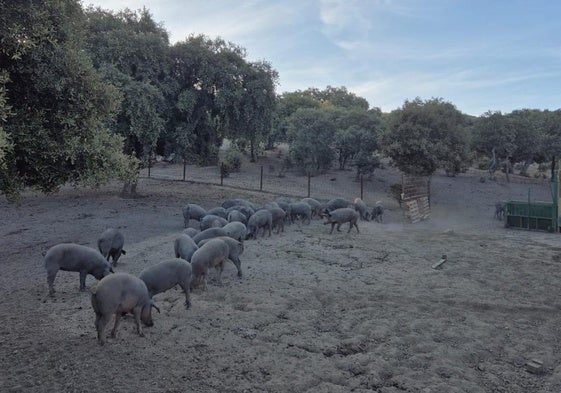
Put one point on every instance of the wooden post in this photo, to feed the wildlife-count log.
(149, 163)
(261, 180)
(309, 183)
(184, 168)
(221, 173)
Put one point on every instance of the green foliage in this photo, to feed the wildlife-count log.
(233, 158)
(250, 111)
(310, 133)
(425, 135)
(215, 93)
(132, 52)
(6, 146)
(55, 132)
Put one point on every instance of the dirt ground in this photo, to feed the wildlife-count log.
(314, 312)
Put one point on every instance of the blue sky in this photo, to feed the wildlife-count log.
(480, 55)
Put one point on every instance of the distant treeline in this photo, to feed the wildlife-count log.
(89, 95)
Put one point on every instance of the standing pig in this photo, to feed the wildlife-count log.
(208, 234)
(118, 294)
(336, 203)
(190, 232)
(212, 221)
(260, 219)
(361, 208)
(236, 230)
(278, 218)
(212, 254)
(110, 244)
(237, 216)
(302, 210)
(192, 211)
(218, 211)
(166, 275)
(377, 212)
(236, 249)
(184, 247)
(75, 258)
(341, 216)
(315, 205)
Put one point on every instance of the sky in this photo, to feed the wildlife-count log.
(480, 55)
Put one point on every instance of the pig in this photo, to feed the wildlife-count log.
(246, 211)
(190, 232)
(236, 249)
(499, 210)
(212, 221)
(315, 205)
(208, 234)
(278, 218)
(236, 230)
(184, 247)
(192, 211)
(218, 211)
(110, 245)
(166, 275)
(261, 219)
(340, 216)
(238, 202)
(302, 210)
(377, 213)
(237, 216)
(212, 254)
(361, 208)
(75, 258)
(336, 203)
(118, 294)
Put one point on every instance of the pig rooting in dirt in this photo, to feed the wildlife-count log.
(212, 254)
(166, 275)
(118, 294)
(110, 245)
(75, 258)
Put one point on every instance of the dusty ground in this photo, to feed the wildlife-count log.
(314, 312)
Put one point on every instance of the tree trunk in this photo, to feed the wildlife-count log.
(252, 151)
(129, 190)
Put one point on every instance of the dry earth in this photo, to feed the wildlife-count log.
(314, 312)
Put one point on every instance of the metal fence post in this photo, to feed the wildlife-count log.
(309, 182)
(261, 180)
(184, 168)
(149, 163)
(221, 173)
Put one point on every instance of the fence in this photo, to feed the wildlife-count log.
(416, 197)
(265, 178)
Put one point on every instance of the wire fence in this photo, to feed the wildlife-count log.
(265, 178)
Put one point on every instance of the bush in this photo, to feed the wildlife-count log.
(233, 159)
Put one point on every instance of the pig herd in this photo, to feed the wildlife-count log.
(210, 238)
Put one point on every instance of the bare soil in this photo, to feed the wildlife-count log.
(314, 312)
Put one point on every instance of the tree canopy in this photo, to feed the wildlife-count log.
(53, 102)
(423, 136)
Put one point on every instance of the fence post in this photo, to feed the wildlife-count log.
(184, 168)
(309, 182)
(261, 180)
(221, 173)
(149, 163)
(362, 187)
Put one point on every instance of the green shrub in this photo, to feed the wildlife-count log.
(233, 159)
